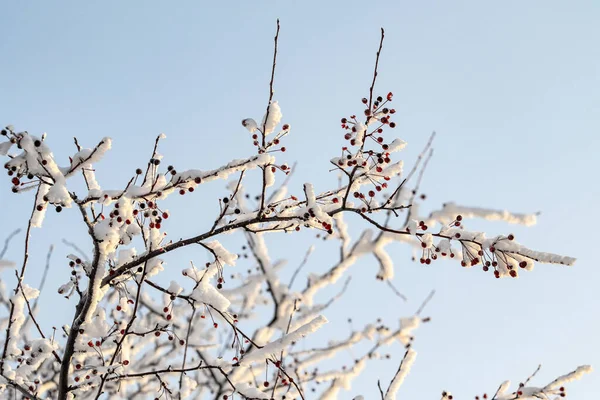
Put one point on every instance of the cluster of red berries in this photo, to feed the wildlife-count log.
(215, 324)
(87, 376)
(145, 211)
(119, 308)
(171, 336)
(168, 315)
(76, 265)
(377, 112)
(19, 173)
(371, 161)
(273, 142)
(28, 359)
(428, 254)
(311, 214)
(97, 343)
(561, 392)
(491, 256)
(183, 185)
(283, 167)
(473, 253)
(16, 180)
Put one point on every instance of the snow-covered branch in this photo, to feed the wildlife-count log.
(217, 331)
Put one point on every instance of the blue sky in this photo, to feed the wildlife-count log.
(512, 88)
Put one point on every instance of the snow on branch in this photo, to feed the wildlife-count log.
(525, 391)
(143, 326)
(280, 345)
(403, 370)
(450, 210)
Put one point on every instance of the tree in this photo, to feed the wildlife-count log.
(134, 337)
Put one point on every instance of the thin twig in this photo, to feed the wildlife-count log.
(44, 275)
(264, 133)
(76, 248)
(185, 350)
(396, 291)
(302, 264)
(380, 390)
(427, 299)
(532, 375)
(375, 69)
(7, 242)
(19, 280)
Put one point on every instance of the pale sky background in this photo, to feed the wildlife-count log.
(511, 87)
